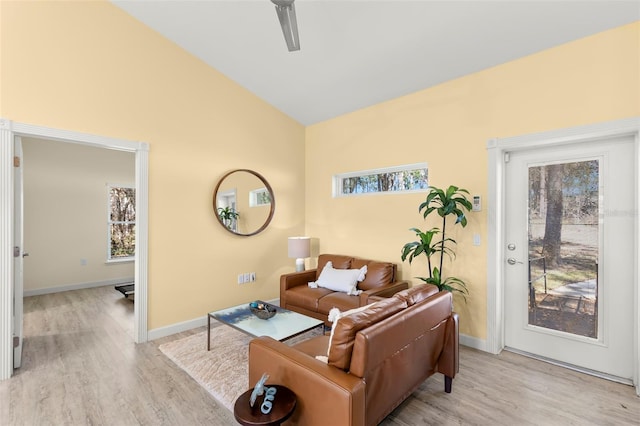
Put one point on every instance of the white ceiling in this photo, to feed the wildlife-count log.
(361, 52)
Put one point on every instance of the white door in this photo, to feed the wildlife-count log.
(18, 253)
(569, 254)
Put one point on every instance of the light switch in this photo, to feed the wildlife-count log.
(476, 239)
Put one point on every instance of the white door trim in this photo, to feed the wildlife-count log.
(497, 149)
(8, 130)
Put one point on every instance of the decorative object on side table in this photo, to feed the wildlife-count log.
(262, 310)
(258, 390)
(278, 410)
(261, 389)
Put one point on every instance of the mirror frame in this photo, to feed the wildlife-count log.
(271, 209)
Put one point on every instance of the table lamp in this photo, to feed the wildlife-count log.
(299, 249)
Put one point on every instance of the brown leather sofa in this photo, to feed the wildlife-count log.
(296, 295)
(378, 357)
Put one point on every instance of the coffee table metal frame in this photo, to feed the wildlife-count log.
(284, 325)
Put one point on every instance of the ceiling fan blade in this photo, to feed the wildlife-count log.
(286, 11)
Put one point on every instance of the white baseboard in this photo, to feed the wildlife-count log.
(465, 340)
(48, 290)
(157, 333)
(473, 342)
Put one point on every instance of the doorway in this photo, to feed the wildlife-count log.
(68, 189)
(501, 253)
(569, 269)
(8, 131)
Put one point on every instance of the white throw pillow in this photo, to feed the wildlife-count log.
(343, 280)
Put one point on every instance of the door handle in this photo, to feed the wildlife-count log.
(16, 252)
(513, 261)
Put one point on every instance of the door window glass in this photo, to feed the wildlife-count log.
(563, 226)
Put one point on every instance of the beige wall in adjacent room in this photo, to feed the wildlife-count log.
(591, 80)
(89, 67)
(65, 213)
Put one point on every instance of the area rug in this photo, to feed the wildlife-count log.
(223, 371)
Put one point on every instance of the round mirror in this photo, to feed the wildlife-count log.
(243, 202)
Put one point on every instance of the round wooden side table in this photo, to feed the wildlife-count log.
(283, 407)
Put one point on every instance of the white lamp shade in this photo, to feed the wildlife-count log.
(299, 247)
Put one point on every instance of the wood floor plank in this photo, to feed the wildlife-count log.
(81, 367)
(509, 389)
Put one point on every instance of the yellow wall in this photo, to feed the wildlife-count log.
(591, 80)
(65, 213)
(89, 67)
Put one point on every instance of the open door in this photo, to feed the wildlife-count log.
(18, 254)
(8, 292)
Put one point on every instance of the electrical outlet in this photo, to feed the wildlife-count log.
(253, 277)
(240, 278)
(247, 277)
(83, 262)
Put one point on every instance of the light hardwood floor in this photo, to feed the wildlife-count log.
(81, 366)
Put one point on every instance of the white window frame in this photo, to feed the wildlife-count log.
(110, 223)
(255, 199)
(338, 179)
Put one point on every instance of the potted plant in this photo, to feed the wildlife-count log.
(228, 216)
(434, 243)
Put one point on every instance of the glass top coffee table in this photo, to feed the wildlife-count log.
(284, 325)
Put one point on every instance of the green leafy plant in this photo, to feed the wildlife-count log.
(451, 202)
(227, 215)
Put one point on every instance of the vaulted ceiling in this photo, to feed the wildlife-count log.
(361, 52)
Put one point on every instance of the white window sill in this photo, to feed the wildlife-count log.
(121, 260)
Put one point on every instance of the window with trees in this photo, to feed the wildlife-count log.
(407, 178)
(121, 223)
(564, 248)
(259, 197)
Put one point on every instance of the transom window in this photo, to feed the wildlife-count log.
(121, 223)
(407, 178)
(259, 197)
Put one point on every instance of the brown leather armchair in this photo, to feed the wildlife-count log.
(377, 358)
